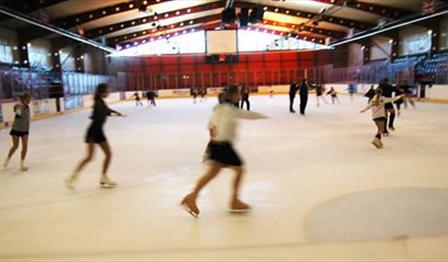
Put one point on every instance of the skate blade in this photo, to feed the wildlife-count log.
(238, 211)
(191, 212)
(107, 186)
(375, 145)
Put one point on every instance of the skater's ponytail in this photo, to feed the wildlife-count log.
(100, 89)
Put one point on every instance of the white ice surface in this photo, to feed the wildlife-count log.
(318, 188)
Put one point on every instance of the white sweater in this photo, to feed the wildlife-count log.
(224, 121)
(379, 110)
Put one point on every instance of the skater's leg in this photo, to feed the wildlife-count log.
(23, 153)
(236, 203)
(105, 181)
(391, 119)
(211, 173)
(24, 147)
(380, 130)
(12, 150)
(15, 145)
(87, 159)
(108, 156)
(239, 172)
(69, 181)
(189, 201)
(248, 104)
(291, 103)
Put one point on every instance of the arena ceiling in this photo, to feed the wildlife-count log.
(121, 23)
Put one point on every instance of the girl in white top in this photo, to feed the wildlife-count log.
(220, 153)
(379, 114)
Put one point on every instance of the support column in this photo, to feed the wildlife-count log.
(24, 60)
(79, 59)
(366, 46)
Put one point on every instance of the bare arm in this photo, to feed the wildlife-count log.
(250, 115)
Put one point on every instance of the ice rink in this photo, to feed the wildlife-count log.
(319, 190)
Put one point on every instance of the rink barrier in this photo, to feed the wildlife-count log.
(47, 108)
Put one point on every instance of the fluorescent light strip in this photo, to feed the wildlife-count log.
(389, 28)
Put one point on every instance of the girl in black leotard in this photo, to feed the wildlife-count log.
(95, 135)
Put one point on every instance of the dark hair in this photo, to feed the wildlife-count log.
(230, 91)
(100, 89)
(24, 96)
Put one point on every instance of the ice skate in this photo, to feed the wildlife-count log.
(237, 206)
(190, 205)
(6, 163)
(23, 167)
(70, 181)
(392, 128)
(105, 182)
(376, 143)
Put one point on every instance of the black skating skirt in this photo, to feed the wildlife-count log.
(222, 153)
(95, 135)
(18, 133)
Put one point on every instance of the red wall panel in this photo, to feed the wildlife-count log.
(253, 68)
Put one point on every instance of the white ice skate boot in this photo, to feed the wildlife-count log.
(105, 182)
(70, 181)
(5, 164)
(23, 167)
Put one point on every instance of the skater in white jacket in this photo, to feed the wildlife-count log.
(377, 104)
(220, 152)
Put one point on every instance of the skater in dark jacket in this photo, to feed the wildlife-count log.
(292, 95)
(303, 91)
(95, 136)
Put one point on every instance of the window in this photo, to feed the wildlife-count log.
(5, 52)
(193, 42)
(261, 40)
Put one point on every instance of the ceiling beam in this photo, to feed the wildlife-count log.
(385, 11)
(99, 31)
(53, 29)
(28, 6)
(301, 36)
(92, 15)
(311, 29)
(360, 25)
(128, 37)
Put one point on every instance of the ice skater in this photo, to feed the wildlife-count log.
(150, 96)
(303, 92)
(194, 94)
(203, 94)
(407, 95)
(387, 91)
(95, 136)
(220, 152)
(320, 90)
(292, 95)
(20, 130)
(379, 114)
(245, 97)
(138, 102)
(370, 94)
(334, 95)
(351, 91)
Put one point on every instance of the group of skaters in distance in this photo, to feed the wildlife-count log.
(150, 96)
(223, 124)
